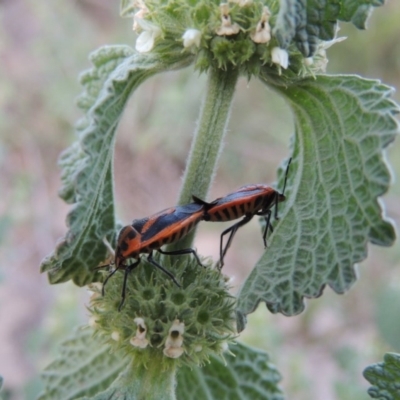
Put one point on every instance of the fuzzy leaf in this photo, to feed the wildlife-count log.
(358, 11)
(385, 378)
(137, 382)
(332, 210)
(247, 375)
(85, 367)
(307, 21)
(87, 166)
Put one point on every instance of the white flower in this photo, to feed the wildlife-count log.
(308, 61)
(280, 57)
(115, 336)
(145, 41)
(139, 340)
(173, 345)
(262, 34)
(191, 37)
(226, 28)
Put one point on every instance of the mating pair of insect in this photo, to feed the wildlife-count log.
(145, 235)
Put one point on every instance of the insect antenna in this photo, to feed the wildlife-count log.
(283, 191)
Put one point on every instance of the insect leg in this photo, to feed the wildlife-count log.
(107, 278)
(232, 230)
(267, 217)
(157, 265)
(128, 269)
(183, 251)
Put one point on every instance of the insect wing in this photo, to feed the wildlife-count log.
(171, 226)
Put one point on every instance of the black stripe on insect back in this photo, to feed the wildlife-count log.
(227, 213)
(235, 211)
(163, 221)
(124, 246)
(218, 215)
(173, 237)
(139, 223)
(132, 234)
(258, 202)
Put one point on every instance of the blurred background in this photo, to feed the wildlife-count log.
(43, 47)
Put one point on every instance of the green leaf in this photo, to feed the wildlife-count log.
(87, 166)
(385, 378)
(246, 375)
(358, 11)
(308, 21)
(338, 171)
(85, 367)
(139, 382)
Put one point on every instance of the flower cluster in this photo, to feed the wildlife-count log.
(160, 322)
(236, 33)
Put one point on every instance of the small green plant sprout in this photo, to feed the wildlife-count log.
(171, 342)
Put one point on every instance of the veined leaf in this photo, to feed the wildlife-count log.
(85, 367)
(308, 21)
(246, 375)
(358, 11)
(338, 171)
(87, 166)
(385, 378)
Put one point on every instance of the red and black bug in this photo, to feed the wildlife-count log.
(247, 201)
(151, 233)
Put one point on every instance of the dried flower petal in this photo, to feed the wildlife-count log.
(262, 34)
(139, 340)
(227, 28)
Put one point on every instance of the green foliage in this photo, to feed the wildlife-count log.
(88, 369)
(87, 174)
(342, 126)
(246, 375)
(306, 22)
(85, 367)
(337, 173)
(385, 378)
(358, 11)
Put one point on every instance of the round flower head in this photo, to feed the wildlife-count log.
(161, 321)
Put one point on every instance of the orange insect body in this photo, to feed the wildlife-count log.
(247, 201)
(151, 233)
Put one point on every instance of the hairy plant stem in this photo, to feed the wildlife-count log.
(208, 139)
